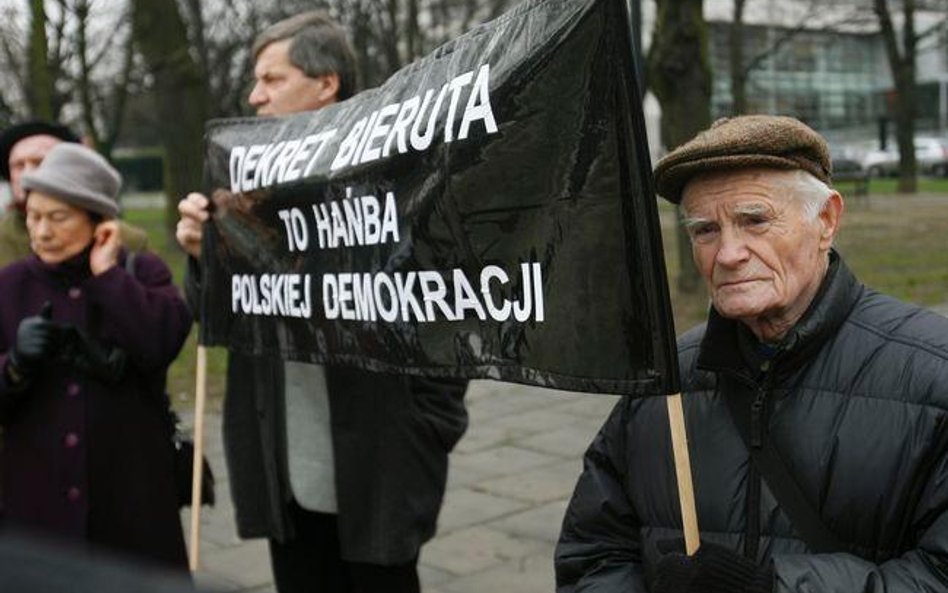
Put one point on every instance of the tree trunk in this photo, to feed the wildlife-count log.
(738, 74)
(196, 18)
(902, 63)
(412, 37)
(84, 81)
(391, 42)
(680, 77)
(180, 95)
(116, 116)
(360, 34)
(40, 87)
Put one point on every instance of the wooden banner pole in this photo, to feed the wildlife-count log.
(686, 492)
(200, 395)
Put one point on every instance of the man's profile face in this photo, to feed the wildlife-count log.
(281, 88)
(759, 253)
(25, 156)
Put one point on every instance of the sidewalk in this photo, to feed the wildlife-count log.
(510, 479)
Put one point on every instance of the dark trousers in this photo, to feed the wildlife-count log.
(311, 562)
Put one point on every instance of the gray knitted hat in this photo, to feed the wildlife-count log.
(743, 142)
(79, 176)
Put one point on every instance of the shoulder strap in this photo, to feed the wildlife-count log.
(782, 485)
(130, 262)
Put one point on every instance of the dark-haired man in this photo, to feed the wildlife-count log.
(343, 470)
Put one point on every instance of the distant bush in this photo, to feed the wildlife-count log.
(142, 170)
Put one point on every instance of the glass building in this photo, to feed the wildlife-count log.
(829, 80)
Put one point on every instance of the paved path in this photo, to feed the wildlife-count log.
(510, 479)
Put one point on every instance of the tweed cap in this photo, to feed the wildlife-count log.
(79, 176)
(743, 142)
(14, 134)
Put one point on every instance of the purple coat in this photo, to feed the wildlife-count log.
(82, 458)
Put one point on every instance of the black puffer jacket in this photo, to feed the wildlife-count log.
(855, 401)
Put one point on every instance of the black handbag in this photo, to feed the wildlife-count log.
(184, 468)
(182, 447)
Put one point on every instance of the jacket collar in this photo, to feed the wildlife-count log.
(72, 271)
(721, 350)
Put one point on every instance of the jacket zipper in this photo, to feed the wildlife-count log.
(758, 422)
(752, 534)
(757, 417)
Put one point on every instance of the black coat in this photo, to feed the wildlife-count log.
(84, 457)
(855, 401)
(391, 437)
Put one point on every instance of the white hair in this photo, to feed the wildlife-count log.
(797, 183)
(804, 186)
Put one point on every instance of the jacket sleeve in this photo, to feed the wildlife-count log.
(441, 402)
(10, 393)
(600, 550)
(143, 314)
(922, 569)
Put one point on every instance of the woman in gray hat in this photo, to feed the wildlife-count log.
(85, 345)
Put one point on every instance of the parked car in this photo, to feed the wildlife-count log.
(881, 163)
(931, 153)
(932, 156)
(850, 170)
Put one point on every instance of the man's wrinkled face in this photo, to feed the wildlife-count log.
(760, 254)
(58, 230)
(282, 88)
(25, 156)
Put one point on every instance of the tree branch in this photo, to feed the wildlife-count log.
(789, 34)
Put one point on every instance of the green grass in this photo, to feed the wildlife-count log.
(889, 185)
(894, 243)
(897, 244)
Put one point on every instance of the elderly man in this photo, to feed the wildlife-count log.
(22, 148)
(816, 407)
(343, 470)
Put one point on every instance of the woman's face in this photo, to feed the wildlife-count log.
(58, 230)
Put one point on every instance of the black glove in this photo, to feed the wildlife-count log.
(92, 358)
(36, 341)
(712, 569)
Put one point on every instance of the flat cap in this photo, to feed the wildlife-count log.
(743, 142)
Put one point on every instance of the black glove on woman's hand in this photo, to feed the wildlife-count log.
(712, 569)
(90, 357)
(35, 342)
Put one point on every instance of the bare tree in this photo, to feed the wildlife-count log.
(82, 57)
(99, 58)
(181, 95)
(12, 49)
(40, 81)
(412, 33)
(387, 34)
(680, 77)
(102, 99)
(221, 35)
(902, 63)
(811, 15)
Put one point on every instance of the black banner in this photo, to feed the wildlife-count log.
(487, 213)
